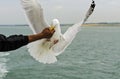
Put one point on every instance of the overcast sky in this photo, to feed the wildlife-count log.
(67, 11)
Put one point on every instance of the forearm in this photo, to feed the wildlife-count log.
(35, 37)
(16, 41)
(46, 33)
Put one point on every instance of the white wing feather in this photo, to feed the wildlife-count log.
(67, 38)
(37, 23)
(34, 14)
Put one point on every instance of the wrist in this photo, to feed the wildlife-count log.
(35, 37)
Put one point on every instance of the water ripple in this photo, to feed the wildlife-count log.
(3, 68)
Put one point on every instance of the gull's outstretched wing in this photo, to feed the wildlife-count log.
(71, 32)
(34, 14)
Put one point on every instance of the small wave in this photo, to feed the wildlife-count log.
(3, 68)
(3, 54)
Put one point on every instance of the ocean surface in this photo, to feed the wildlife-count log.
(94, 54)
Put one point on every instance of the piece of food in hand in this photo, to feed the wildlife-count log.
(52, 28)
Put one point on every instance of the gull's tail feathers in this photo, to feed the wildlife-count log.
(41, 52)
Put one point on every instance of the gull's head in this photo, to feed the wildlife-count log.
(54, 23)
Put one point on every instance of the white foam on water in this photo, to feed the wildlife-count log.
(3, 54)
(3, 68)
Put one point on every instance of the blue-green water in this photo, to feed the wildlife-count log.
(94, 54)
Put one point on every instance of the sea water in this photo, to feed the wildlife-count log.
(93, 54)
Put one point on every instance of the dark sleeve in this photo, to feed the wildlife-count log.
(12, 42)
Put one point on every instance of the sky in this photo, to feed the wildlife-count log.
(67, 11)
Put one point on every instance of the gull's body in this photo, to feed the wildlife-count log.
(45, 50)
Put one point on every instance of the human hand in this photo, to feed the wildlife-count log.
(47, 32)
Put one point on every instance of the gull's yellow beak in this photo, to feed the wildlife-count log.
(52, 27)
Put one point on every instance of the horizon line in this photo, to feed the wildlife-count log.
(63, 23)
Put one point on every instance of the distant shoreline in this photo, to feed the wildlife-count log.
(86, 24)
(101, 24)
